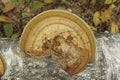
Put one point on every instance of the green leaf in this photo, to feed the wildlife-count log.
(15, 36)
(25, 14)
(17, 1)
(48, 1)
(37, 4)
(96, 19)
(8, 30)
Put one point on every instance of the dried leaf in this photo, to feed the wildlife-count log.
(93, 28)
(114, 0)
(96, 19)
(8, 30)
(5, 1)
(5, 19)
(109, 1)
(8, 5)
(106, 15)
(93, 2)
(37, 4)
(114, 27)
(112, 6)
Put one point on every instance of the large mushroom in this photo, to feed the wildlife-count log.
(2, 65)
(62, 34)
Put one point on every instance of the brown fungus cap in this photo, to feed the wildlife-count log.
(2, 65)
(63, 34)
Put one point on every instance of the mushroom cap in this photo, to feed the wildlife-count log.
(45, 26)
(2, 65)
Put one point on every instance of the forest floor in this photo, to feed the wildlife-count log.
(103, 16)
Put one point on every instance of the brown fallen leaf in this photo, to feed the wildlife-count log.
(106, 15)
(93, 2)
(5, 19)
(5, 1)
(110, 1)
(2, 65)
(114, 27)
(9, 5)
(93, 28)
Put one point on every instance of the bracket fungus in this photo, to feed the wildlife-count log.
(62, 34)
(2, 65)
